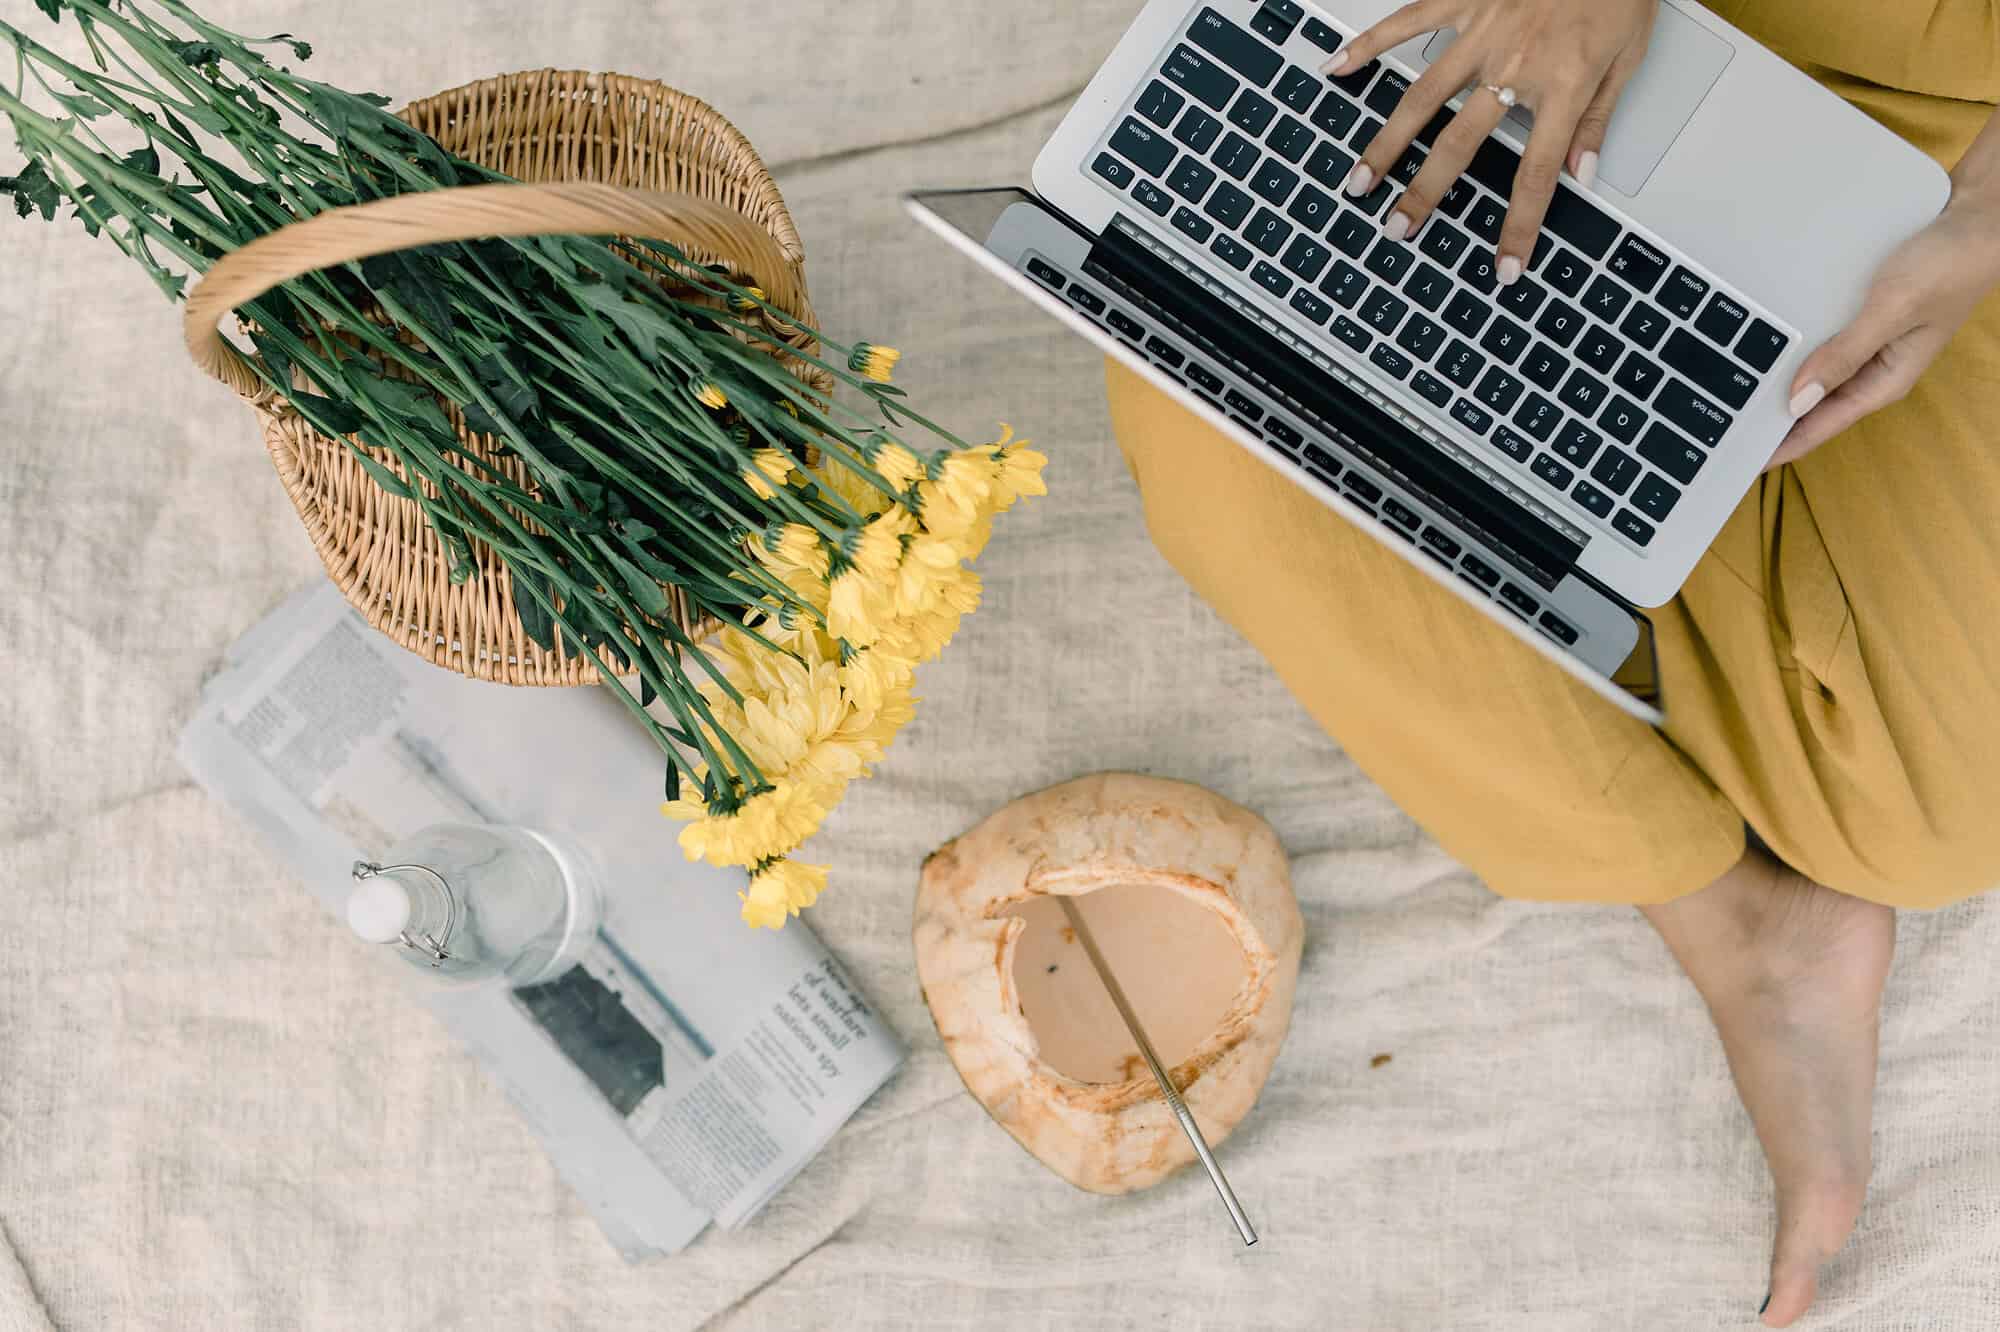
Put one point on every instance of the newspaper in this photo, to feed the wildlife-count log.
(689, 1066)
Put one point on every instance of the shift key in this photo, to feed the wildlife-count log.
(1248, 56)
(1709, 370)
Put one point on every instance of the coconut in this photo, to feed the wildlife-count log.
(1188, 896)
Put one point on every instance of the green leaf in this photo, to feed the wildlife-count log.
(536, 622)
(197, 54)
(143, 160)
(33, 190)
(53, 8)
(384, 478)
(83, 105)
(329, 414)
(339, 110)
(652, 598)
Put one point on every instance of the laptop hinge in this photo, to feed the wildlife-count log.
(1542, 551)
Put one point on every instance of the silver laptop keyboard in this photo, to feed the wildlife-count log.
(1608, 372)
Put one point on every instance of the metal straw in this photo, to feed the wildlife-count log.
(1167, 1088)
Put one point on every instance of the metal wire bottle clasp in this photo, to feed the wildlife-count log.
(430, 945)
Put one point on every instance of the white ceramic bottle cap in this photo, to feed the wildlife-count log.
(378, 909)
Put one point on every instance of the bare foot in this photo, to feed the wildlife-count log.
(1793, 972)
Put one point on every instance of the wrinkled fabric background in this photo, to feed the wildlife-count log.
(214, 1115)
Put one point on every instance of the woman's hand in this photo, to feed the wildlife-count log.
(1920, 297)
(1566, 60)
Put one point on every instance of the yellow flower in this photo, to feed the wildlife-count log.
(768, 468)
(855, 608)
(780, 890)
(871, 675)
(767, 825)
(897, 465)
(872, 362)
(798, 547)
(962, 490)
(708, 395)
(746, 299)
(877, 549)
(860, 494)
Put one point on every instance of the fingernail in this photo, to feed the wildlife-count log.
(1586, 170)
(1765, 1305)
(1807, 398)
(1359, 179)
(1399, 227)
(1335, 63)
(1510, 268)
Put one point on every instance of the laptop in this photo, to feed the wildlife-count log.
(1558, 452)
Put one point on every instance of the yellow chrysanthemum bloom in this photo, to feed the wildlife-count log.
(768, 468)
(877, 549)
(897, 465)
(747, 299)
(779, 891)
(872, 362)
(709, 395)
(962, 491)
(856, 608)
(797, 547)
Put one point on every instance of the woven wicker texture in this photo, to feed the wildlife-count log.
(622, 157)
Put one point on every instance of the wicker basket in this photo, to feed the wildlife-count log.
(633, 158)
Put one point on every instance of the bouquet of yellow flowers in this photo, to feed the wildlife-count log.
(669, 457)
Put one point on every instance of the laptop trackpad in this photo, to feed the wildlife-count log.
(1682, 64)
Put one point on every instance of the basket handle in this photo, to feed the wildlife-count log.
(470, 212)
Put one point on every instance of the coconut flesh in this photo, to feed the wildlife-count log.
(1189, 898)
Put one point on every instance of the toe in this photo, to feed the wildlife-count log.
(1811, 1229)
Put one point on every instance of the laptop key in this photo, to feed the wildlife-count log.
(1655, 498)
(1236, 157)
(1682, 294)
(1606, 300)
(1708, 369)
(1048, 273)
(1639, 376)
(1421, 338)
(1505, 339)
(1579, 222)
(1238, 401)
(1345, 284)
(1471, 417)
(1322, 35)
(1519, 600)
(1087, 301)
(1311, 209)
(1639, 264)
(1153, 197)
(1593, 500)
(1390, 361)
(1271, 279)
(1277, 20)
(1566, 273)
(1387, 93)
(1146, 148)
(1113, 170)
(1477, 271)
(1335, 115)
(1365, 135)
(1644, 325)
(1355, 82)
(1401, 514)
(1560, 323)
(1191, 179)
(1616, 470)
(1126, 325)
(1538, 416)
(1485, 573)
(1329, 166)
(1363, 487)
(1233, 47)
(1622, 420)
(1268, 232)
(1202, 78)
(1634, 528)
(1499, 390)
(1382, 311)
(1511, 444)
(1198, 129)
(1290, 139)
(1323, 460)
(1552, 471)
(1160, 104)
(1523, 298)
(1307, 258)
(1456, 199)
(1466, 313)
(1232, 252)
(1558, 629)
(1298, 89)
(1252, 113)
(1308, 304)
(1351, 233)
(1284, 432)
(1431, 389)
(1274, 180)
(1722, 320)
(1351, 333)
(1163, 350)
(1599, 350)
(1390, 260)
(1461, 365)
(1486, 218)
(1671, 454)
(1443, 242)
(1191, 223)
(1372, 203)
(1442, 543)
(1583, 394)
(1761, 346)
(1205, 378)
(1543, 366)
(1407, 166)
(1427, 287)
(1576, 444)
(1229, 205)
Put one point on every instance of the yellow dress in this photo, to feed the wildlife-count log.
(1832, 668)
